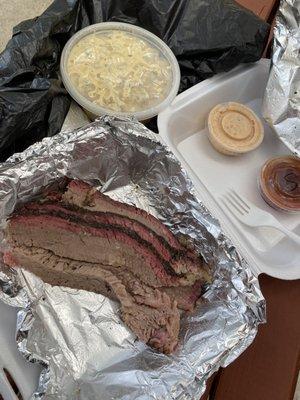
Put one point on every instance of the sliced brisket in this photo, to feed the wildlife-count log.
(185, 296)
(83, 195)
(176, 263)
(82, 242)
(77, 237)
(150, 313)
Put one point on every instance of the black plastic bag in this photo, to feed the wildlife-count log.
(207, 37)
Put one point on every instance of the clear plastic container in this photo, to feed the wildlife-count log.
(98, 73)
(234, 129)
(279, 183)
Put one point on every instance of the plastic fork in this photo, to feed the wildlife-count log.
(250, 215)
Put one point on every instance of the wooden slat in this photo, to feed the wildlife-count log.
(262, 8)
(267, 52)
(265, 9)
(269, 368)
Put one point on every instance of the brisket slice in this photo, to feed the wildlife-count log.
(185, 296)
(176, 261)
(150, 313)
(105, 245)
(83, 195)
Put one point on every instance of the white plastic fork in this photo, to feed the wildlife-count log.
(250, 215)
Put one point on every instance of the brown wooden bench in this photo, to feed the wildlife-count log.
(269, 368)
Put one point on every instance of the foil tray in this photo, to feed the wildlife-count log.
(86, 350)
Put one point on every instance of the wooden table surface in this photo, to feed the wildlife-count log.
(269, 368)
(264, 8)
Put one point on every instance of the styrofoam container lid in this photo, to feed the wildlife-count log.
(121, 69)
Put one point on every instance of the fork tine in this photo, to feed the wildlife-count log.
(240, 199)
(234, 205)
(237, 202)
(229, 208)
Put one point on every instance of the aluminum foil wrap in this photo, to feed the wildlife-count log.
(281, 105)
(86, 350)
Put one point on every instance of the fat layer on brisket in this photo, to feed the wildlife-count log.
(85, 196)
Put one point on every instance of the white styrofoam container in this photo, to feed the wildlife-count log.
(183, 127)
(24, 374)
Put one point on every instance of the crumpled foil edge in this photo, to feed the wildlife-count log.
(213, 336)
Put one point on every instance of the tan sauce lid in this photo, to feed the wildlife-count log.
(234, 129)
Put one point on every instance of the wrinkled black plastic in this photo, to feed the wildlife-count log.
(207, 36)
